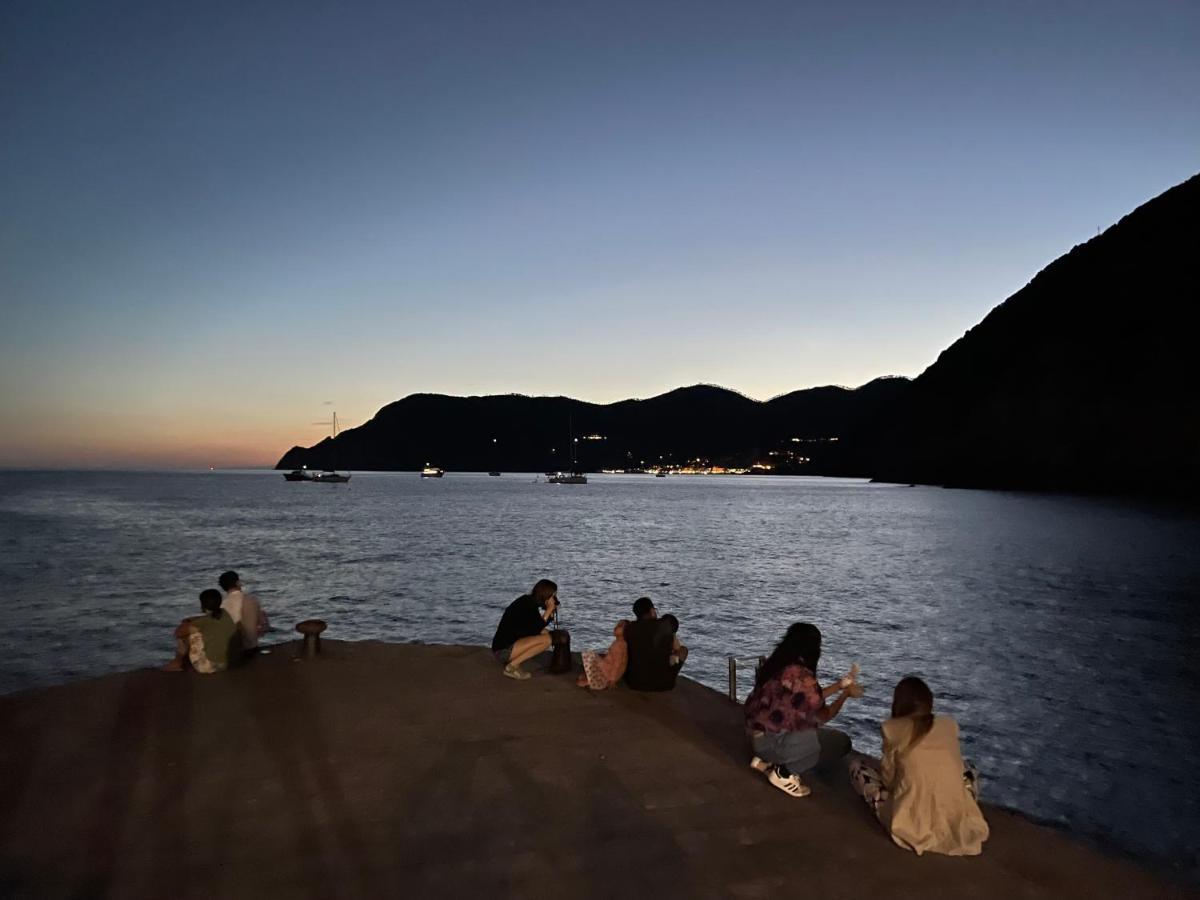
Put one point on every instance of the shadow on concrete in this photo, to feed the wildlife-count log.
(293, 737)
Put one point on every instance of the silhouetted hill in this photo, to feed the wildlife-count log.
(1084, 379)
(517, 433)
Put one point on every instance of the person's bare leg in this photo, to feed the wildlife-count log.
(528, 647)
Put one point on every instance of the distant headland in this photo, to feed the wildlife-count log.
(1084, 379)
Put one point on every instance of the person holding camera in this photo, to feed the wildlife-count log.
(522, 633)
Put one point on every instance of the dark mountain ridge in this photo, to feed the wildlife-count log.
(1085, 379)
(1082, 380)
(518, 433)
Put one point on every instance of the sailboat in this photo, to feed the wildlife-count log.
(574, 476)
(329, 476)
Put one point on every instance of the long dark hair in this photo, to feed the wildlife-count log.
(210, 602)
(914, 700)
(801, 644)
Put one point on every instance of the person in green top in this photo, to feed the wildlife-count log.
(207, 643)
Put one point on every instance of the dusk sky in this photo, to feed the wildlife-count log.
(219, 216)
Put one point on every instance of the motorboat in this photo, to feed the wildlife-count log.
(297, 475)
(432, 472)
(566, 478)
(330, 477)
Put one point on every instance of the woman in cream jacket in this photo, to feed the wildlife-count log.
(922, 794)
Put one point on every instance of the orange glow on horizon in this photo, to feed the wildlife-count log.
(59, 448)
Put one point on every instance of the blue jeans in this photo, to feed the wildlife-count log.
(801, 751)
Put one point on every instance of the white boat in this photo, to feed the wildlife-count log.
(432, 472)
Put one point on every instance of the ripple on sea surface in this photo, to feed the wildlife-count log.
(1058, 630)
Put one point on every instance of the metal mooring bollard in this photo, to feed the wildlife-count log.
(733, 678)
(311, 629)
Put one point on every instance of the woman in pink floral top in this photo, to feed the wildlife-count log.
(786, 709)
(602, 671)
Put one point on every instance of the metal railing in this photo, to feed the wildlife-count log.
(733, 667)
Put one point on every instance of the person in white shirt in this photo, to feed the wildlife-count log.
(244, 609)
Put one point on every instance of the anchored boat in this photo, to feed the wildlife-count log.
(328, 476)
(575, 476)
(331, 477)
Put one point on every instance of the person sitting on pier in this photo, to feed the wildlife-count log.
(923, 794)
(679, 652)
(786, 709)
(522, 633)
(651, 642)
(603, 670)
(208, 642)
(245, 609)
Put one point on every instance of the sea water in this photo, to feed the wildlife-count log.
(1058, 630)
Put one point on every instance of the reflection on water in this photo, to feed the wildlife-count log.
(1056, 629)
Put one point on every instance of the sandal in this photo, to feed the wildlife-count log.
(789, 784)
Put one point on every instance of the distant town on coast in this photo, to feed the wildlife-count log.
(1082, 380)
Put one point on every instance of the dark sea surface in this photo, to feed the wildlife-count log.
(1058, 630)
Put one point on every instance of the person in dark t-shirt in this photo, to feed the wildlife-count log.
(650, 641)
(522, 633)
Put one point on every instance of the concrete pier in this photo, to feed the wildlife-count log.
(381, 770)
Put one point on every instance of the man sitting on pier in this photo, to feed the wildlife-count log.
(522, 633)
(651, 642)
(245, 609)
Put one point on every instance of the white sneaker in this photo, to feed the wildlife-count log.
(789, 784)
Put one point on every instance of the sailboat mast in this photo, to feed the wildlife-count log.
(333, 446)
